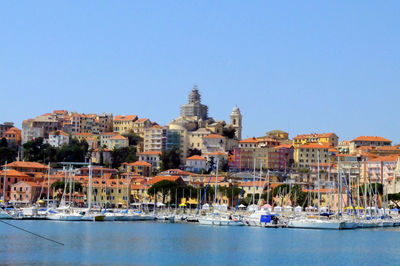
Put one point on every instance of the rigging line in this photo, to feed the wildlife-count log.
(19, 228)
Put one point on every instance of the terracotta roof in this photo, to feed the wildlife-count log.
(26, 165)
(249, 140)
(157, 127)
(125, 117)
(160, 178)
(142, 120)
(316, 146)
(389, 158)
(371, 138)
(284, 146)
(118, 137)
(214, 136)
(196, 157)
(141, 163)
(12, 173)
(252, 183)
(134, 186)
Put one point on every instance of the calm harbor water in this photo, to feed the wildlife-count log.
(160, 243)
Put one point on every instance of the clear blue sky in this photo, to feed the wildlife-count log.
(299, 66)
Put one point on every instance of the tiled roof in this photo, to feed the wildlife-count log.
(118, 137)
(12, 173)
(196, 157)
(371, 138)
(214, 136)
(160, 178)
(316, 146)
(141, 163)
(389, 158)
(26, 165)
(249, 140)
(125, 117)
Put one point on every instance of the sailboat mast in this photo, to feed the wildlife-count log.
(318, 182)
(70, 185)
(340, 188)
(330, 185)
(254, 176)
(268, 187)
(90, 186)
(259, 185)
(216, 184)
(4, 183)
(48, 186)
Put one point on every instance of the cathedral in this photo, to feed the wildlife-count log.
(194, 115)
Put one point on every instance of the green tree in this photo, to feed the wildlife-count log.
(133, 139)
(170, 159)
(61, 184)
(229, 132)
(371, 188)
(164, 187)
(194, 151)
(75, 151)
(7, 154)
(3, 143)
(38, 151)
(121, 155)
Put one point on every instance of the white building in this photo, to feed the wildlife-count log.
(213, 143)
(105, 136)
(58, 138)
(195, 163)
(151, 157)
(154, 137)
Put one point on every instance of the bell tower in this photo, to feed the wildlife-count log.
(236, 122)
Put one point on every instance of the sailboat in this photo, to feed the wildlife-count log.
(216, 218)
(316, 222)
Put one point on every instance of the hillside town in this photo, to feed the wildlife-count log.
(129, 155)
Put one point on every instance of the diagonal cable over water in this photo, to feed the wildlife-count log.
(32, 233)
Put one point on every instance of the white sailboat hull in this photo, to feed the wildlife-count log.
(64, 217)
(219, 222)
(316, 224)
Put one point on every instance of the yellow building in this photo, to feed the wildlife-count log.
(306, 156)
(117, 142)
(124, 123)
(90, 138)
(326, 138)
(140, 125)
(277, 134)
(110, 192)
(141, 168)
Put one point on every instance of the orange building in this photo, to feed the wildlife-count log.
(13, 135)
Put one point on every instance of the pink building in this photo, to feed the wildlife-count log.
(234, 159)
(381, 169)
(27, 192)
(285, 156)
